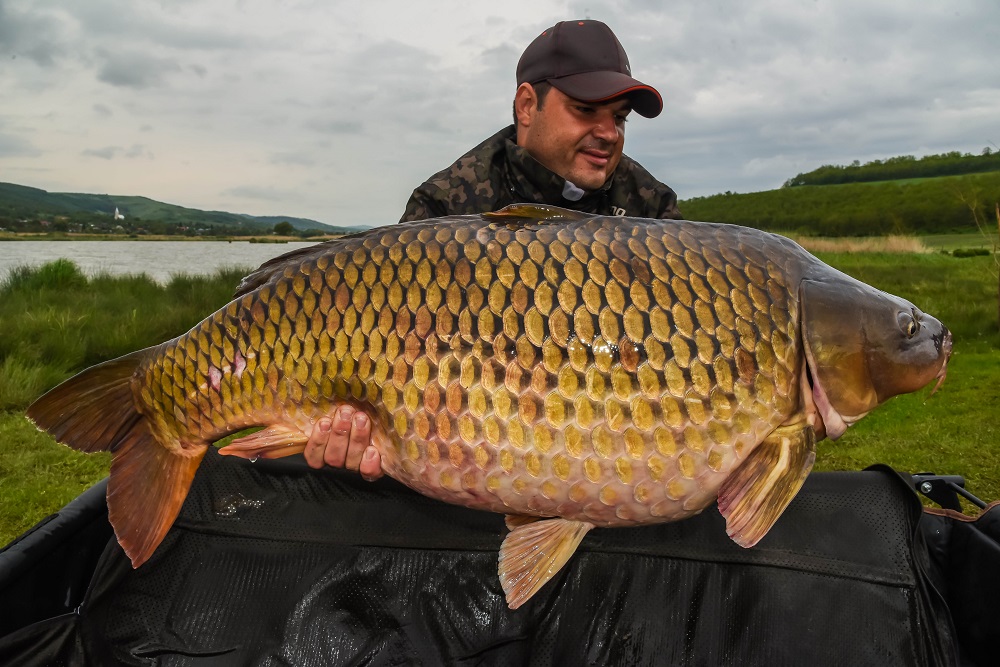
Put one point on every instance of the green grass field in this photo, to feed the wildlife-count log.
(951, 242)
(55, 321)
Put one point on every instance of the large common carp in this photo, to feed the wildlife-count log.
(567, 371)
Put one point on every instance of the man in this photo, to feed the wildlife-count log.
(574, 94)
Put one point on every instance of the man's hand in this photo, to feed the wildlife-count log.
(344, 442)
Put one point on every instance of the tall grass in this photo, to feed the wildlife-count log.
(895, 244)
(54, 321)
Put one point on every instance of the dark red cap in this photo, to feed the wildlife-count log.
(585, 60)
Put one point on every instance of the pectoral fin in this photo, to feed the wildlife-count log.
(533, 552)
(760, 489)
(272, 442)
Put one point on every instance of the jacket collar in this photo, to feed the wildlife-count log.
(532, 181)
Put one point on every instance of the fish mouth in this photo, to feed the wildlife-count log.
(824, 418)
(946, 345)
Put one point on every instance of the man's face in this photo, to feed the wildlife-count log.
(580, 141)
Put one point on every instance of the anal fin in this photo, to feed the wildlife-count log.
(273, 442)
(533, 552)
(759, 490)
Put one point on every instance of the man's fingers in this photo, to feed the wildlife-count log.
(316, 444)
(360, 438)
(371, 464)
(344, 442)
(336, 446)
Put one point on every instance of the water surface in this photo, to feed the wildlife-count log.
(157, 259)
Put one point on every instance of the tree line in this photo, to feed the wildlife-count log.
(938, 205)
(901, 167)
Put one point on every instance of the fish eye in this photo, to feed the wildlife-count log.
(908, 324)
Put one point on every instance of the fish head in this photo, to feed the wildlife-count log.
(864, 346)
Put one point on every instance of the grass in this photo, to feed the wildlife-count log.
(55, 322)
(951, 242)
(38, 476)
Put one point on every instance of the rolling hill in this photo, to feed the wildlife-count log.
(932, 205)
(19, 201)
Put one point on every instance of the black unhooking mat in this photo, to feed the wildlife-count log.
(272, 563)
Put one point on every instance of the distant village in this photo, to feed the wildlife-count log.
(118, 224)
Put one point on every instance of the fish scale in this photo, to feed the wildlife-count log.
(508, 379)
(568, 371)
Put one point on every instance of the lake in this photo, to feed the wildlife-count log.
(157, 259)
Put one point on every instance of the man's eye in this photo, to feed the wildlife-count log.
(585, 109)
(621, 119)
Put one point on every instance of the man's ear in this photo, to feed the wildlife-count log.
(525, 104)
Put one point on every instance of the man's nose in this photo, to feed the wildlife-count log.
(606, 128)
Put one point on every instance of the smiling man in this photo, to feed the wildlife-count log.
(575, 92)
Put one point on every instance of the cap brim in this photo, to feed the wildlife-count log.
(603, 86)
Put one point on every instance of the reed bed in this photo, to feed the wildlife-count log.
(890, 244)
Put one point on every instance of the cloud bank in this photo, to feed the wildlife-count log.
(336, 111)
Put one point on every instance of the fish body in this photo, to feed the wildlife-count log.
(567, 371)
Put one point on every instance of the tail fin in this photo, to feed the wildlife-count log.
(95, 411)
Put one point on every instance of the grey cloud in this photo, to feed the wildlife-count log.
(30, 33)
(111, 152)
(138, 150)
(106, 153)
(333, 126)
(14, 146)
(501, 61)
(120, 18)
(134, 70)
(754, 92)
(296, 159)
(265, 193)
(398, 88)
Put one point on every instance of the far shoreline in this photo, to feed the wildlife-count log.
(70, 236)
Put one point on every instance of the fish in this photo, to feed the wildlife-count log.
(568, 371)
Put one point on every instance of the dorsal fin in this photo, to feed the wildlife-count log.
(265, 271)
(537, 212)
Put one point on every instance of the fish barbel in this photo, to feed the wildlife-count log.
(568, 371)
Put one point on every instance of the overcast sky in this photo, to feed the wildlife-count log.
(336, 110)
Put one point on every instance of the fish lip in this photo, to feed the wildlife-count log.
(946, 347)
(831, 423)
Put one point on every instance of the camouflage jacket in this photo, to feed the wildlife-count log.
(498, 172)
